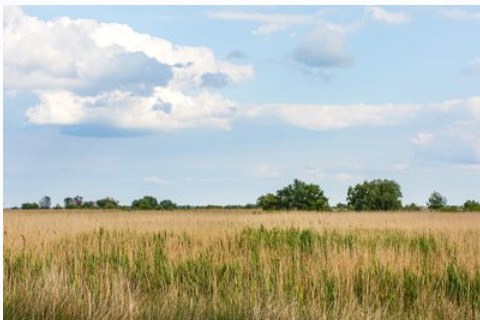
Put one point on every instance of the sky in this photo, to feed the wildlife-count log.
(221, 104)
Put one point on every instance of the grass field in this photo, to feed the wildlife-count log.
(241, 265)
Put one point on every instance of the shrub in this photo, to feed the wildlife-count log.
(107, 203)
(167, 205)
(296, 196)
(376, 195)
(471, 205)
(146, 203)
(30, 206)
(412, 207)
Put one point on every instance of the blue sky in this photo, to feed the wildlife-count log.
(218, 105)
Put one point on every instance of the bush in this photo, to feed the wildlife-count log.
(146, 203)
(167, 205)
(107, 203)
(30, 206)
(296, 196)
(450, 209)
(412, 207)
(471, 205)
(341, 207)
(376, 195)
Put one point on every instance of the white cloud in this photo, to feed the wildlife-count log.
(190, 63)
(267, 29)
(458, 14)
(166, 109)
(326, 117)
(380, 14)
(323, 47)
(84, 71)
(271, 22)
(269, 18)
(473, 104)
(423, 138)
(472, 67)
(71, 54)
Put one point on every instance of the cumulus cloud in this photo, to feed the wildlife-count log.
(88, 72)
(166, 109)
(323, 47)
(382, 15)
(192, 62)
(423, 138)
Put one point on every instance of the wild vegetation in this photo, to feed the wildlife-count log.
(375, 195)
(240, 265)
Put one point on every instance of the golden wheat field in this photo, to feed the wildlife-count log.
(240, 264)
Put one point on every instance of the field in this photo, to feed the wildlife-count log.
(240, 265)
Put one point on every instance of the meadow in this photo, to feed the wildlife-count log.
(240, 264)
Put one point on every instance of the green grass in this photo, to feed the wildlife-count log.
(257, 273)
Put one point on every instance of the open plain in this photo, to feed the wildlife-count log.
(240, 264)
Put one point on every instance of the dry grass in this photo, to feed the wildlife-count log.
(241, 265)
(46, 226)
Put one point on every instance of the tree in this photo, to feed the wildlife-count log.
(471, 205)
(296, 196)
(69, 203)
(107, 203)
(376, 195)
(78, 200)
(88, 205)
(30, 206)
(267, 202)
(45, 202)
(436, 201)
(145, 203)
(167, 205)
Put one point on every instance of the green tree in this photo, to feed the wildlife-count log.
(167, 205)
(436, 201)
(78, 200)
(471, 205)
(376, 195)
(88, 205)
(145, 203)
(267, 202)
(107, 203)
(30, 206)
(45, 202)
(296, 196)
(69, 203)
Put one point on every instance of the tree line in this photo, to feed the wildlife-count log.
(145, 203)
(375, 195)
